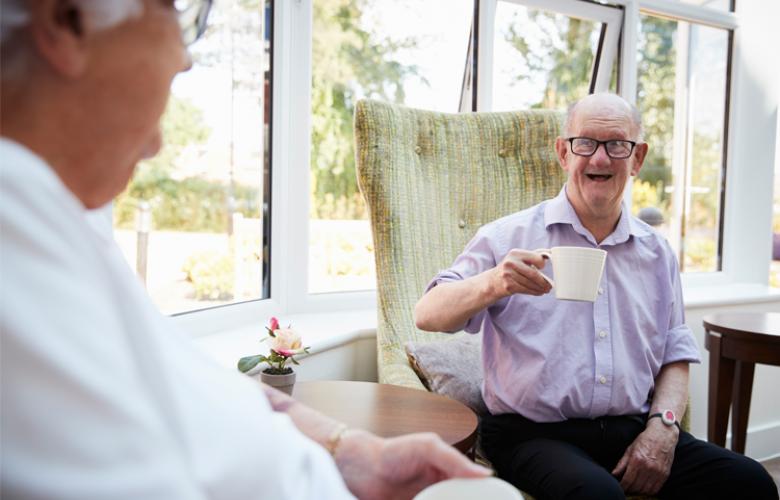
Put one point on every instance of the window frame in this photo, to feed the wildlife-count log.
(745, 250)
(610, 16)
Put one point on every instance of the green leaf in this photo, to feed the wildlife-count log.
(247, 363)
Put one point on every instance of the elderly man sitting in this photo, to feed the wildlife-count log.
(101, 398)
(584, 397)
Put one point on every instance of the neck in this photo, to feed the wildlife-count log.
(601, 228)
(46, 122)
(600, 224)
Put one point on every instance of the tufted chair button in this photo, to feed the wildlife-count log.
(502, 153)
(417, 149)
(461, 223)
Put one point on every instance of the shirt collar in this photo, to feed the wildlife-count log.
(560, 211)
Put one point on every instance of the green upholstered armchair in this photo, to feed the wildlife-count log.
(430, 181)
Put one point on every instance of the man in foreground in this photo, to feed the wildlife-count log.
(584, 397)
(101, 398)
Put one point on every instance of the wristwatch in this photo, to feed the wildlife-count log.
(667, 417)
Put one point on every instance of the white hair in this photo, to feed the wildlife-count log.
(98, 15)
(636, 117)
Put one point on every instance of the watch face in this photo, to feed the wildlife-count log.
(668, 417)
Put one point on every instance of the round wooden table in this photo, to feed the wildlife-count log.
(736, 341)
(391, 410)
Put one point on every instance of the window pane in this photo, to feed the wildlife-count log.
(722, 5)
(193, 216)
(405, 52)
(541, 59)
(684, 126)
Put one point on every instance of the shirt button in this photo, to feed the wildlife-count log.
(603, 379)
(601, 290)
(461, 223)
(418, 150)
(602, 334)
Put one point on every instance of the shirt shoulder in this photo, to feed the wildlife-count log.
(515, 229)
(648, 236)
(653, 249)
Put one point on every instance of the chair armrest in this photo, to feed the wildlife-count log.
(400, 374)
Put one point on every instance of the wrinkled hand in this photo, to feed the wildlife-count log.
(646, 463)
(519, 273)
(398, 468)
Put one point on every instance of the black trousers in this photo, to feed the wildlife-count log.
(574, 459)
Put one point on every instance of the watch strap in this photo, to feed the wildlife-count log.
(660, 415)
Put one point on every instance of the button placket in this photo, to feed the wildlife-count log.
(602, 348)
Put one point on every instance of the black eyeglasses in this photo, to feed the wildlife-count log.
(192, 18)
(616, 149)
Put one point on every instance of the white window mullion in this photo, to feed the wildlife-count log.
(291, 160)
(487, 30)
(628, 65)
(608, 54)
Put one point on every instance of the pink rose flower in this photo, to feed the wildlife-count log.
(286, 342)
(274, 324)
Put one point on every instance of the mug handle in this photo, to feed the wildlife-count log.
(547, 254)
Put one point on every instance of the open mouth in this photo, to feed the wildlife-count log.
(599, 177)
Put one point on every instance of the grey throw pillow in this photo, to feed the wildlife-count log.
(451, 367)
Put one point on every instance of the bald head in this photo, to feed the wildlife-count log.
(604, 103)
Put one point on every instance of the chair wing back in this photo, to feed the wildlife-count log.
(430, 181)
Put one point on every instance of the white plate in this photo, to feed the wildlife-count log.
(470, 489)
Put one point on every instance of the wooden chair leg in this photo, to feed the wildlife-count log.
(719, 392)
(743, 387)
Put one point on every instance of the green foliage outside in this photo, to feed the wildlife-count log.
(348, 62)
(565, 62)
(187, 204)
(645, 194)
(211, 275)
(655, 99)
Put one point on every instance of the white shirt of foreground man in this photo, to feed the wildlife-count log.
(101, 398)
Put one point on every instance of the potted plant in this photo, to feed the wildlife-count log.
(285, 345)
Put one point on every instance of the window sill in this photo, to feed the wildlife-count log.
(323, 332)
(700, 296)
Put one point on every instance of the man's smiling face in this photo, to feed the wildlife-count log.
(595, 183)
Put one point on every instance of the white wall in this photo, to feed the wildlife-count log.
(355, 360)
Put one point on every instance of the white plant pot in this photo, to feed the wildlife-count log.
(283, 383)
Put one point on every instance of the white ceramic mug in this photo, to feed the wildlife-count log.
(470, 489)
(577, 271)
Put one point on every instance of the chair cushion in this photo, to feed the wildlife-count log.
(451, 367)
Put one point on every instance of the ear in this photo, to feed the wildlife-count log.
(57, 31)
(640, 152)
(562, 151)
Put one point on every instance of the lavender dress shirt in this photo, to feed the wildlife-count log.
(550, 360)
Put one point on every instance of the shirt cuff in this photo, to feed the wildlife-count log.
(681, 346)
(442, 277)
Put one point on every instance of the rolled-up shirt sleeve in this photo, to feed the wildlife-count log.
(477, 257)
(680, 343)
